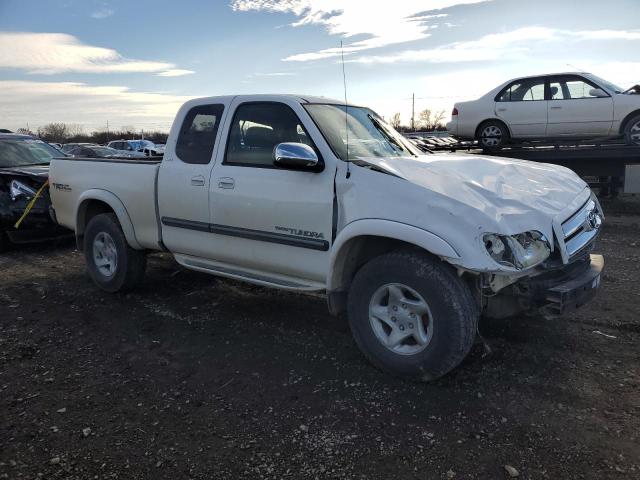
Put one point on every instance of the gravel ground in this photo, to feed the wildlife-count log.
(197, 377)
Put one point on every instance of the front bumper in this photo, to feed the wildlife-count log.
(566, 290)
(38, 226)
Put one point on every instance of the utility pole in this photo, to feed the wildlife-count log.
(413, 112)
(107, 131)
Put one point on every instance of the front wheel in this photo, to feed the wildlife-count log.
(492, 135)
(632, 131)
(411, 315)
(112, 264)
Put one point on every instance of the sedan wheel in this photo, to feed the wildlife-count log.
(491, 136)
(634, 133)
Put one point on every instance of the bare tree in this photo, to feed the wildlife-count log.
(395, 120)
(24, 131)
(430, 120)
(424, 119)
(54, 132)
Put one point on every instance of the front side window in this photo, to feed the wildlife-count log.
(526, 90)
(570, 87)
(257, 128)
(197, 135)
(358, 132)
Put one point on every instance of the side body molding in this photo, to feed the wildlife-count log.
(373, 227)
(116, 205)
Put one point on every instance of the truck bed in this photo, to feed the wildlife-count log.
(74, 179)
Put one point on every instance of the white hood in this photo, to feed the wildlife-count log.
(460, 197)
(497, 186)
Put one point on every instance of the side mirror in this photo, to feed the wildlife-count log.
(598, 92)
(295, 156)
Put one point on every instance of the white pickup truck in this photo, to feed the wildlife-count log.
(310, 194)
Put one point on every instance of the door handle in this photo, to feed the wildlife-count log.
(502, 109)
(556, 108)
(197, 181)
(226, 182)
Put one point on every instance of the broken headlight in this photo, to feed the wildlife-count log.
(18, 189)
(519, 252)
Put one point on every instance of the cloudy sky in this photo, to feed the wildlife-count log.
(133, 63)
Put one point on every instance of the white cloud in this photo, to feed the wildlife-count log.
(497, 46)
(384, 23)
(175, 72)
(102, 13)
(49, 53)
(38, 103)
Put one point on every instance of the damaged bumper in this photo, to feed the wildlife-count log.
(555, 292)
(569, 290)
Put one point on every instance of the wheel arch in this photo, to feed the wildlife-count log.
(363, 240)
(491, 119)
(94, 202)
(627, 119)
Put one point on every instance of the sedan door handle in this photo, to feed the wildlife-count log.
(226, 182)
(556, 108)
(502, 109)
(197, 181)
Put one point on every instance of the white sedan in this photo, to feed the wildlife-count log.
(555, 106)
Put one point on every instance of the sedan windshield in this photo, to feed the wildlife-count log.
(354, 132)
(24, 152)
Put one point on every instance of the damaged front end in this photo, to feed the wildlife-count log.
(559, 279)
(16, 191)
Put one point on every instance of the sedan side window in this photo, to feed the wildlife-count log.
(570, 87)
(526, 90)
(257, 128)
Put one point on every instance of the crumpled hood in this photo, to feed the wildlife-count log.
(497, 186)
(36, 172)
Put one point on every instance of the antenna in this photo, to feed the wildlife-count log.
(346, 108)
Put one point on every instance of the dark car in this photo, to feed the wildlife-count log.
(24, 168)
(95, 151)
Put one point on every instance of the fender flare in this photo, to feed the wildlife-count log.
(627, 119)
(373, 227)
(118, 208)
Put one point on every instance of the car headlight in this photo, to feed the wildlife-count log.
(519, 252)
(18, 189)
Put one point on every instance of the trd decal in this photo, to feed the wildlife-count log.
(61, 187)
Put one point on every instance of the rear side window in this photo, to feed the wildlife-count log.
(198, 134)
(526, 90)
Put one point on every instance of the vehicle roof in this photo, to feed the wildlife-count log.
(16, 136)
(297, 98)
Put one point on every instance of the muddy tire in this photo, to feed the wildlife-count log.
(411, 315)
(492, 135)
(111, 263)
(632, 131)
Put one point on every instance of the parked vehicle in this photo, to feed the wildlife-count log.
(4, 130)
(67, 147)
(146, 147)
(24, 167)
(554, 106)
(414, 248)
(97, 151)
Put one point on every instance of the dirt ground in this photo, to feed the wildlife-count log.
(197, 377)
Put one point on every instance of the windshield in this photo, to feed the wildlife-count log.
(608, 85)
(368, 134)
(24, 152)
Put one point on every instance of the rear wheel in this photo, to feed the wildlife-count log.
(411, 315)
(112, 264)
(492, 135)
(632, 131)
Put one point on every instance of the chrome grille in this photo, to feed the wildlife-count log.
(582, 227)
